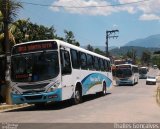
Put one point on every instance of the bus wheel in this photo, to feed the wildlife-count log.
(78, 96)
(137, 80)
(133, 83)
(104, 89)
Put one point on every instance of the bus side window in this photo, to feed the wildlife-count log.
(65, 62)
(83, 60)
(96, 63)
(75, 57)
(106, 67)
(133, 69)
(109, 66)
(90, 62)
(101, 64)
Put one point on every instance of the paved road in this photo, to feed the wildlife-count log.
(123, 104)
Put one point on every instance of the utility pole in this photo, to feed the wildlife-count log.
(110, 34)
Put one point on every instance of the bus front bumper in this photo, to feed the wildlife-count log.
(142, 76)
(37, 98)
(124, 82)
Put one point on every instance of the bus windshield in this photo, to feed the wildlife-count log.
(142, 71)
(123, 73)
(33, 67)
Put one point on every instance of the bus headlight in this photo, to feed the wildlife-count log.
(53, 87)
(15, 91)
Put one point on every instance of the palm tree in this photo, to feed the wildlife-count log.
(69, 37)
(10, 33)
(9, 9)
(1, 25)
(90, 48)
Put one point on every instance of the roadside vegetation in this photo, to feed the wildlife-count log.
(156, 58)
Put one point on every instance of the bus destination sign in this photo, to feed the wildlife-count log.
(123, 66)
(31, 47)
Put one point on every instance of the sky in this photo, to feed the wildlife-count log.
(90, 19)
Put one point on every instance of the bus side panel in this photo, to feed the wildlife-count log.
(92, 83)
(67, 86)
(69, 83)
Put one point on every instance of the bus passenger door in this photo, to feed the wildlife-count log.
(66, 70)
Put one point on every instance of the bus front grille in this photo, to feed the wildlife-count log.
(33, 97)
(33, 91)
(35, 86)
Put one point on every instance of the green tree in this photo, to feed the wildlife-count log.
(131, 55)
(90, 48)
(156, 59)
(98, 51)
(145, 58)
(28, 31)
(9, 10)
(69, 37)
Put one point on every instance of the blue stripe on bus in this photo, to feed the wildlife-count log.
(94, 79)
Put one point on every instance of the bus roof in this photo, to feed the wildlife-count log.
(59, 42)
(127, 64)
(2, 56)
(143, 67)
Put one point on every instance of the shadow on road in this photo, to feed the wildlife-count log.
(125, 85)
(57, 105)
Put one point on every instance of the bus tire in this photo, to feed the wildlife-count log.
(137, 80)
(104, 89)
(134, 83)
(77, 95)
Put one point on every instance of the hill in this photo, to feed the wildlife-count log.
(102, 48)
(152, 41)
(139, 50)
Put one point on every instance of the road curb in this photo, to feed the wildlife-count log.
(9, 107)
(158, 91)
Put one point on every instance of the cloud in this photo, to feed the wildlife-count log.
(115, 26)
(149, 17)
(96, 10)
(148, 9)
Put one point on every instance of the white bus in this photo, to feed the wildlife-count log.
(143, 72)
(52, 70)
(155, 66)
(126, 74)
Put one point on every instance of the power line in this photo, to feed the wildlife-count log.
(91, 6)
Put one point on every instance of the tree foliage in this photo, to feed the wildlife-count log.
(146, 56)
(98, 51)
(27, 31)
(10, 9)
(69, 37)
(8, 13)
(156, 52)
(90, 48)
(156, 60)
